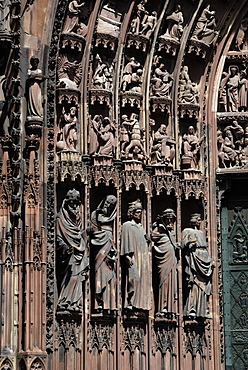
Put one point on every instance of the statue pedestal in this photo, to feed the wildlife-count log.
(132, 98)
(133, 165)
(169, 44)
(139, 41)
(191, 173)
(101, 96)
(161, 103)
(102, 160)
(160, 169)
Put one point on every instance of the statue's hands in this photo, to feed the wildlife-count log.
(129, 261)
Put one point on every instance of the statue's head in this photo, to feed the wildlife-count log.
(109, 205)
(34, 61)
(195, 219)
(135, 210)
(169, 217)
(72, 202)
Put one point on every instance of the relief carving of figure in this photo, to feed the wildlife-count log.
(148, 24)
(199, 269)
(228, 157)
(71, 253)
(162, 150)
(102, 136)
(232, 86)
(174, 24)
(34, 100)
(188, 90)
(241, 42)
(138, 18)
(161, 81)
(5, 16)
(69, 73)
(206, 26)
(102, 77)
(72, 17)
(191, 147)
(135, 248)
(131, 67)
(165, 245)
(135, 149)
(67, 137)
(104, 252)
(243, 91)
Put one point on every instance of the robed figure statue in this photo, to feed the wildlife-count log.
(165, 245)
(199, 269)
(104, 252)
(72, 255)
(135, 248)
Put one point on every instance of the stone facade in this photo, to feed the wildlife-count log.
(123, 177)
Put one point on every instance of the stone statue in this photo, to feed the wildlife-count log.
(69, 73)
(102, 136)
(188, 90)
(174, 24)
(109, 21)
(223, 92)
(228, 157)
(72, 17)
(161, 81)
(68, 131)
(162, 150)
(134, 247)
(165, 246)
(130, 68)
(125, 132)
(232, 86)
(148, 24)
(191, 147)
(135, 149)
(241, 42)
(136, 81)
(199, 269)
(34, 101)
(102, 77)
(104, 252)
(138, 18)
(243, 91)
(71, 253)
(5, 16)
(206, 26)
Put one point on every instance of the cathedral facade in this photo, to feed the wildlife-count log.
(123, 185)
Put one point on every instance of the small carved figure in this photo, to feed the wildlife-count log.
(135, 149)
(5, 16)
(199, 269)
(161, 81)
(104, 252)
(68, 131)
(241, 42)
(162, 150)
(174, 24)
(232, 86)
(137, 20)
(125, 132)
(238, 132)
(223, 92)
(71, 252)
(73, 16)
(148, 24)
(191, 147)
(101, 138)
(206, 26)
(188, 90)
(243, 91)
(136, 81)
(102, 78)
(34, 101)
(69, 73)
(130, 68)
(228, 157)
(134, 246)
(165, 246)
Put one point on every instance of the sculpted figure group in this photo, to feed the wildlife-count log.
(233, 91)
(143, 22)
(76, 247)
